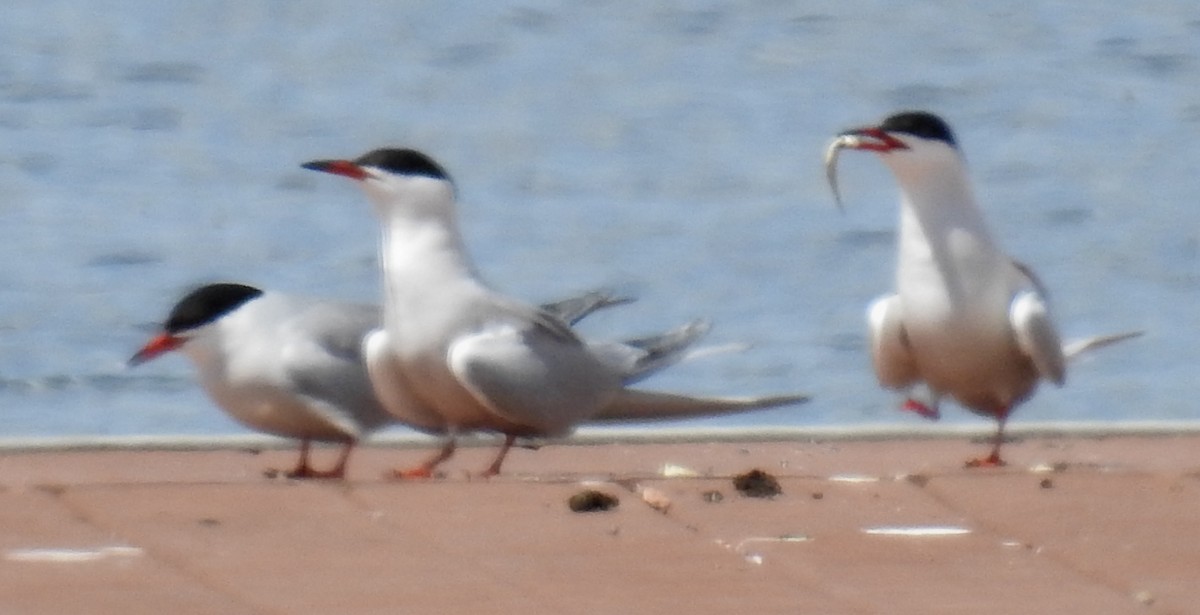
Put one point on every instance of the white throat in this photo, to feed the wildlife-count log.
(946, 254)
(424, 261)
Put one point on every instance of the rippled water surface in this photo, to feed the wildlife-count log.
(672, 150)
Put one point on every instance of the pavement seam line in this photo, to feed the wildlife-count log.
(632, 486)
(78, 512)
(348, 492)
(1121, 588)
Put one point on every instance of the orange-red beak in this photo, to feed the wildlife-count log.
(344, 168)
(159, 344)
(874, 139)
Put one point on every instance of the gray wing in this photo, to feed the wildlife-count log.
(323, 359)
(1036, 335)
(639, 358)
(534, 319)
(528, 374)
(574, 309)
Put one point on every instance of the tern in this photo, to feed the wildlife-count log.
(455, 355)
(966, 319)
(292, 365)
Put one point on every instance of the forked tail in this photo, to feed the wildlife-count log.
(1074, 348)
(635, 405)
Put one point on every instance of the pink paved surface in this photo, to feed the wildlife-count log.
(1073, 525)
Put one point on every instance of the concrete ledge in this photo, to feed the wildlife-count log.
(627, 435)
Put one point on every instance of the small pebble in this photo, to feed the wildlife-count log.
(712, 496)
(591, 500)
(757, 484)
(1046, 484)
(656, 499)
(919, 480)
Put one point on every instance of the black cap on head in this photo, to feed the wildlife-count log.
(403, 162)
(206, 304)
(920, 124)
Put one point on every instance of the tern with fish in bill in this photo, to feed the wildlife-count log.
(966, 320)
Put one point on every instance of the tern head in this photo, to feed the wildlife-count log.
(194, 312)
(394, 177)
(906, 130)
(914, 144)
(909, 137)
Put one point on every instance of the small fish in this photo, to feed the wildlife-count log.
(831, 157)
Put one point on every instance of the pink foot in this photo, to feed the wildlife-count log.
(488, 473)
(991, 461)
(304, 473)
(419, 472)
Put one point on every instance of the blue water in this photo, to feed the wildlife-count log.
(672, 150)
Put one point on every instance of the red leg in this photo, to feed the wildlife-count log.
(993, 460)
(339, 470)
(494, 469)
(425, 469)
(931, 413)
(304, 470)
